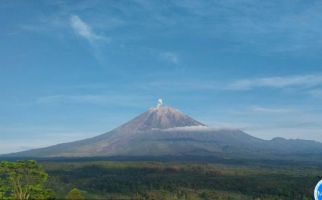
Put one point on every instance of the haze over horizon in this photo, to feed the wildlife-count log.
(77, 69)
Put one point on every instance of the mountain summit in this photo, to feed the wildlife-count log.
(165, 131)
(161, 117)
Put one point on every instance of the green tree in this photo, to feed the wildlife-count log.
(22, 180)
(75, 194)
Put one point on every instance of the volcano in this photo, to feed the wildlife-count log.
(166, 131)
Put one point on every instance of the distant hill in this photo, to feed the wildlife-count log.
(165, 131)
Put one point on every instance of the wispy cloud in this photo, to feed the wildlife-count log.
(170, 57)
(43, 138)
(270, 110)
(277, 82)
(94, 99)
(316, 93)
(84, 30)
(273, 26)
(308, 82)
(295, 124)
(14, 146)
(103, 100)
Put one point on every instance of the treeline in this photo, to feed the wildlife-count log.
(27, 180)
(154, 180)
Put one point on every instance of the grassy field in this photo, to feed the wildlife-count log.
(182, 180)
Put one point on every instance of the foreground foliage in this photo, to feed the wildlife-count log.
(22, 180)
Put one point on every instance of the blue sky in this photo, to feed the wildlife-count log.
(75, 69)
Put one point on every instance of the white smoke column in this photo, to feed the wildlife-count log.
(159, 104)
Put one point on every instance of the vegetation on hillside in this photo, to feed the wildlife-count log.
(26, 180)
(174, 180)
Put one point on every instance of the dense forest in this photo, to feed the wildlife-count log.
(155, 180)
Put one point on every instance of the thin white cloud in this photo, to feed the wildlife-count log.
(277, 82)
(230, 125)
(13, 146)
(170, 57)
(43, 139)
(288, 127)
(309, 82)
(189, 128)
(19, 137)
(94, 99)
(316, 93)
(84, 30)
(98, 99)
(269, 110)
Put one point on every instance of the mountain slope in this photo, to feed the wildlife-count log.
(165, 131)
